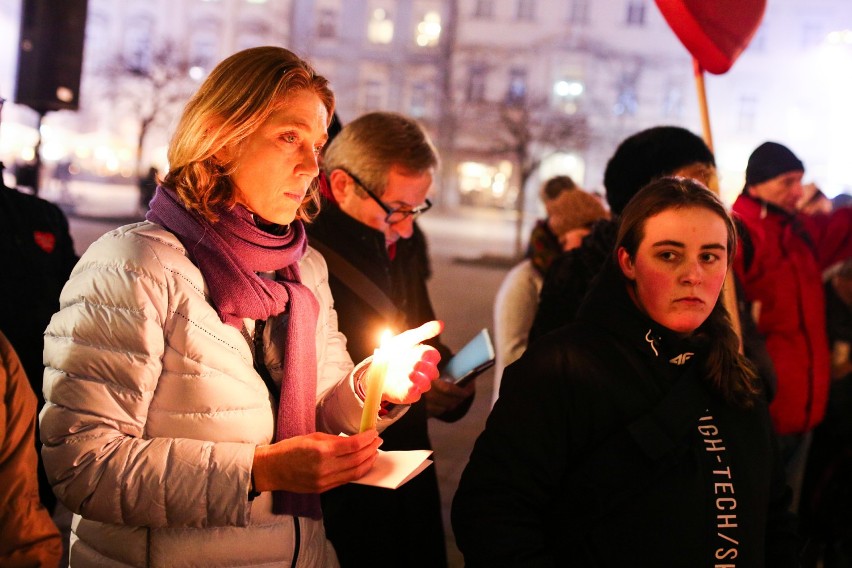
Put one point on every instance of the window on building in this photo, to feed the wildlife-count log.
(419, 104)
(380, 27)
(476, 76)
(747, 114)
(484, 9)
(428, 31)
(525, 10)
(517, 90)
(566, 92)
(626, 102)
(636, 12)
(327, 23)
(373, 95)
(578, 12)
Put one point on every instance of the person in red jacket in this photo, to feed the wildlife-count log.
(780, 267)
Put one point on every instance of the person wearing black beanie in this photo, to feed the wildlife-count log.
(653, 153)
(780, 264)
(774, 174)
(638, 160)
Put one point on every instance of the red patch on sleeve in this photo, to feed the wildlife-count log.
(46, 241)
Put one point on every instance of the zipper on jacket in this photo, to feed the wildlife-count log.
(260, 360)
(297, 533)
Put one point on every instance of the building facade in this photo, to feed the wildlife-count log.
(512, 91)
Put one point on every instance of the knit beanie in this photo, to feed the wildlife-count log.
(648, 155)
(770, 160)
(572, 209)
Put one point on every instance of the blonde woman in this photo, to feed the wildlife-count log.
(196, 380)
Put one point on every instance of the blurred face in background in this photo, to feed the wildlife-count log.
(705, 173)
(784, 191)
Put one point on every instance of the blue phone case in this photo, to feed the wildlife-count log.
(472, 359)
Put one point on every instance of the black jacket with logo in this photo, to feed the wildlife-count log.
(570, 472)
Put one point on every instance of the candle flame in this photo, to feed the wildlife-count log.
(385, 338)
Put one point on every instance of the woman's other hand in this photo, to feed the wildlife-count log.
(315, 462)
(412, 366)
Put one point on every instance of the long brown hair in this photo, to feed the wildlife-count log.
(235, 99)
(730, 374)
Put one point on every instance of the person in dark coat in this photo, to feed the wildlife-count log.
(379, 169)
(637, 435)
(36, 255)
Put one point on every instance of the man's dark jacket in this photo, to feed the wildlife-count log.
(406, 528)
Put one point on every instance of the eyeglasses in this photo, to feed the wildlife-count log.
(392, 216)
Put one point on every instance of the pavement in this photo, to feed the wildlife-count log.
(470, 252)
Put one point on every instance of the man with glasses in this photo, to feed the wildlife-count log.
(379, 169)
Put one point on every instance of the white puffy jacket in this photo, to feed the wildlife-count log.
(154, 410)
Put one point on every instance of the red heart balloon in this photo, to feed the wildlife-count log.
(715, 32)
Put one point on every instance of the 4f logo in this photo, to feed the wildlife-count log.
(681, 359)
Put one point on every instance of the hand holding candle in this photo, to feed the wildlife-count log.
(401, 370)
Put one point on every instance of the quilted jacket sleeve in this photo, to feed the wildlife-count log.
(103, 355)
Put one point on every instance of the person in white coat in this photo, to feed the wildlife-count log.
(196, 382)
(571, 211)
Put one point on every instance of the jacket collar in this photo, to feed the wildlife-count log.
(608, 305)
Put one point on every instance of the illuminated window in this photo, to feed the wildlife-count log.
(380, 28)
(485, 184)
(428, 30)
(566, 92)
(636, 13)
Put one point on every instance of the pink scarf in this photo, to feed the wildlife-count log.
(229, 254)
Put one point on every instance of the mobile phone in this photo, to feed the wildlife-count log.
(474, 358)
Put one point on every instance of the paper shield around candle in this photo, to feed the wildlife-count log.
(715, 32)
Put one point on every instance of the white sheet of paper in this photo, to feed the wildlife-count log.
(393, 469)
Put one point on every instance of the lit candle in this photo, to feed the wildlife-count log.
(375, 384)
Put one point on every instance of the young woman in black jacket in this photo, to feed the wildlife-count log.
(637, 436)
